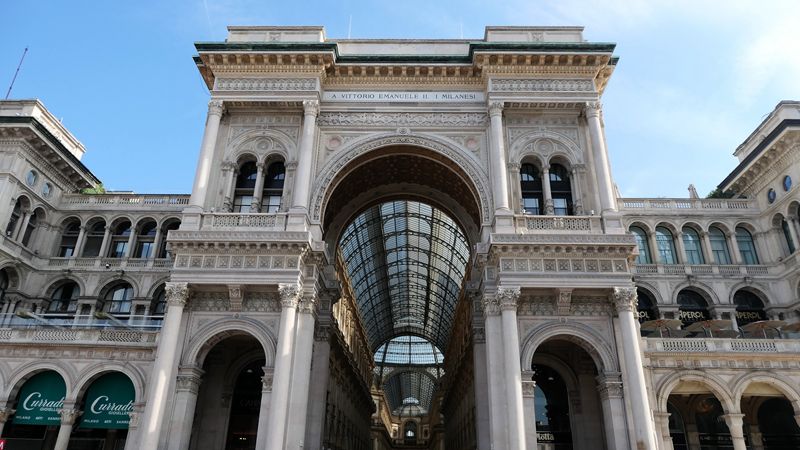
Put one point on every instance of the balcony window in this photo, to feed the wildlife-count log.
(691, 243)
(35, 220)
(644, 247)
(531, 188)
(719, 246)
(64, 298)
(94, 239)
(273, 188)
(69, 239)
(4, 283)
(145, 240)
(159, 304)
(245, 184)
(666, 246)
(787, 236)
(747, 248)
(646, 306)
(119, 240)
(118, 299)
(561, 189)
(173, 224)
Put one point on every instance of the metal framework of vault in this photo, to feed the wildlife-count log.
(406, 262)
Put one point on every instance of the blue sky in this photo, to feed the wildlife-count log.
(695, 77)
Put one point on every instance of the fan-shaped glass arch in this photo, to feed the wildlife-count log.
(406, 262)
(409, 392)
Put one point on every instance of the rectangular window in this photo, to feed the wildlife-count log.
(145, 249)
(560, 207)
(118, 249)
(92, 247)
(66, 252)
(530, 205)
(241, 203)
(271, 204)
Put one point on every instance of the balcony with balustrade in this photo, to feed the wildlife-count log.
(669, 206)
(27, 328)
(124, 202)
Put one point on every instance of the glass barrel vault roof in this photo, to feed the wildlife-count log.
(406, 262)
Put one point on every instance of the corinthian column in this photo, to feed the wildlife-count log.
(302, 177)
(497, 160)
(203, 172)
(164, 367)
(301, 372)
(68, 418)
(498, 417)
(625, 303)
(507, 297)
(602, 168)
(290, 296)
(187, 387)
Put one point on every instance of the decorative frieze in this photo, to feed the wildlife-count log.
(541, 85)
(427, 120)
(562, 264)
(265, 84)
(238, 262)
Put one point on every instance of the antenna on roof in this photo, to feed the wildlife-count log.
(350, 26)
(15, 73)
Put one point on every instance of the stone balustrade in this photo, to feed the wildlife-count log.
(38, 335)
(663, 205)
(116, 202)
(238, 221)
(557, 224)
(143, 264)
(721, 345)
(732, 270)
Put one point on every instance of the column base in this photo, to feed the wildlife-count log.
(297, 219)
(504, 221)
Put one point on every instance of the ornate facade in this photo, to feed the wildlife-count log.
(398, 244)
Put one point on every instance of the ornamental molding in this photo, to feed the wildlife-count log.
(491, 305)
(77, 351)
(290, 294)
(427, 120)
(42, 164)
(261, 302)
(609, 386)
(545, 143)
(311, 107)
(559, 262)
(237, 261)
(188, 383)
(176, 293)
(266, 379)
(226, 239)
(477, 176)
(209, 302)
(479, 335)
(216, 107)
(69, 415)
(260, 142)
(266, 84)
(565, 239)
(541, 85)
(563, 301)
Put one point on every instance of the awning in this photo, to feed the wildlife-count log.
(40, 400)
(108, 402)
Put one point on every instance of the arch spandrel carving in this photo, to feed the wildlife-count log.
(261, 142)
(328, 175)
(545, 144)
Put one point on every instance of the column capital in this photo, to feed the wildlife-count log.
(495, 108)
(216, 107)
(5, 414)
(478, 335)
(311, 107)
(592, 109)
(609, 385)
(307, 304)
(69, 415)
(177, 293)
(624, 299)
(507, 297)
(290, 294)
(491, 305)
(513, 167)
(189, 379)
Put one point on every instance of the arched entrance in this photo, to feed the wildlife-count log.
(569, 412)
(229, 399)
(37, 418)
(403, 220)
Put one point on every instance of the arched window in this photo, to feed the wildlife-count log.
(666, 246)
(245, 183)
(159, 303)
(162, 245)
(273, 188)
(646, 306)
(692, 307)
(16, 215)
(146, 240)
(644, 246)
(691, 242)
(749, 308)
(719, 246)
(118, 299)
(747, 248)
(94, 239)
(531, 188)
(777, 424)
(561, 190)
(69, 238)
(35, 220)
(710, 422)
(119, 240)
(787, 236)
(64, 298)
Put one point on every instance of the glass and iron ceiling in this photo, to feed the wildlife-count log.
(406, 262)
